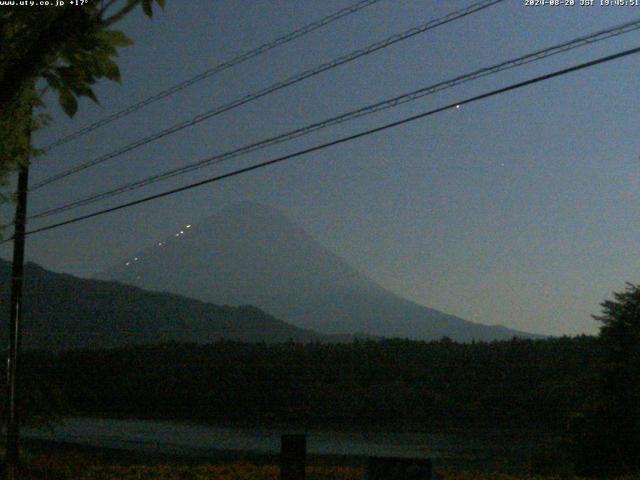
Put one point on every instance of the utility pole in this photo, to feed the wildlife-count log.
(17, 277)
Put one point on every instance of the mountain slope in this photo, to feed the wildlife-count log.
(252, 254)
(62, 312)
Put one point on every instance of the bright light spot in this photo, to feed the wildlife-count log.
(177, 234)
(127, 264)
(458, 107)
(181, 232)
(188, 226)
(135, 259)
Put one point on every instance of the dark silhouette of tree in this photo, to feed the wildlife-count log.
(69, 48)
(608, 429)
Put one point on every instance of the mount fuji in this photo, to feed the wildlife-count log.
(251, 254)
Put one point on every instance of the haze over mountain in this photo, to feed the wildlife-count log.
(252, 254)
(65, 312)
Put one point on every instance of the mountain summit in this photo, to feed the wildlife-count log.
(253, 254)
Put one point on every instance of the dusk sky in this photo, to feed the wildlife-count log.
(521, 210)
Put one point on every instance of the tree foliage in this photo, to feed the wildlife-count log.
(40, 402)
(608, 429)
(393, 384)
(69, 48)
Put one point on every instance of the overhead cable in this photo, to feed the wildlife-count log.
(270, 89)
(349, 138)
(367, 110)
(213, 71)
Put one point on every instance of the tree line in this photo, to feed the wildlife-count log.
(389, 383)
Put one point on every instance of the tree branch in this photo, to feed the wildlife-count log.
(122, 13)
(107, 6)
(27, 65)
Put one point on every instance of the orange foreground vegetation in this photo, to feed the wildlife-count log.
(46, 467)
(82, 468)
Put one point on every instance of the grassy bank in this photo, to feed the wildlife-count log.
(86, 468)
(56, 461)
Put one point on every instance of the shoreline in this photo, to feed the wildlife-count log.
(192, 457)
(330, 428)
(493, 449)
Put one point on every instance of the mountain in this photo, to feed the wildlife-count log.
(252, 254)
(64, 312)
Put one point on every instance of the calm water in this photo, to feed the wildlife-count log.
(174, 437)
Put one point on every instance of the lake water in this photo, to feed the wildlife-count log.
(191, 439)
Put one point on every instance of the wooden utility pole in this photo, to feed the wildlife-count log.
(17, 276)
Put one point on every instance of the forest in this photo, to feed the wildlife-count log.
(397, 384)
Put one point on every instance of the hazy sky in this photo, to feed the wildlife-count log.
(520, 210)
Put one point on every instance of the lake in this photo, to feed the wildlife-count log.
(477, 448)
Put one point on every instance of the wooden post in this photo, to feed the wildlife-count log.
(293, 457)
(15, 327)
(387, 468)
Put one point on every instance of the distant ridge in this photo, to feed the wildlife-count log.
(252, 254)
(65, 312)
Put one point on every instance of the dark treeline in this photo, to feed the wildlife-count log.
(399, 383)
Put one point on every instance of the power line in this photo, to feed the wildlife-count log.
(273, 88)
(349, 138)
(214, 70)
(367, 110)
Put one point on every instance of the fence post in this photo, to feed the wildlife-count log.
(293, 457)
(389, 468)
